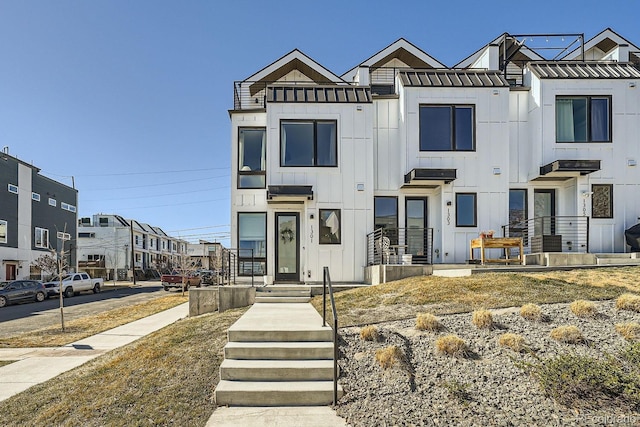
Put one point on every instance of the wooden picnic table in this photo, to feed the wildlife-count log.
(505, 243)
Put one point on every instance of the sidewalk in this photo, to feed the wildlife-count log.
(37, 365)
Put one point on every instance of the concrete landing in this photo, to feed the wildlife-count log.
(282, 416)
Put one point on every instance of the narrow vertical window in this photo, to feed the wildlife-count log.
(602, 201)
(3, 231)
(466, 210)
(329, 227)
(252, 242)
(252, 158)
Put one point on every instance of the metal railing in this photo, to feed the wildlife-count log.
(233, 265)
(391, 245)
(326, 280)
(552, 234)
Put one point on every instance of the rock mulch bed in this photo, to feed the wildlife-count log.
(486, 388)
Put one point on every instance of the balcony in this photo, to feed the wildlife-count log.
(569, 234)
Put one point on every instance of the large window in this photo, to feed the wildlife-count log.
(3, 231)
(330, 226)
(41, 238)
(517, 211)
(447, 128)
(252, 158)
(252, 243)
(308, 143)
(385, 211)
(583, 119)
(466, 210)
(602, 201)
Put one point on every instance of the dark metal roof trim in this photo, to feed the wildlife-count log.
(583, 70)
(319, 94)
(583, 167)
(422, 174)
(452, 78)
(294, 191)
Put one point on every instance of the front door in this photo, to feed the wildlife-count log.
(544, 211)
(287, 246)
(11, 272)
(416, 223)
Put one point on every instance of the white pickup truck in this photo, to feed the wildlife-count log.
(72, 284)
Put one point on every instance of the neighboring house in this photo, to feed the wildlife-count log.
(105, 241)
(36, 214)
(206, 255)
(430, 156)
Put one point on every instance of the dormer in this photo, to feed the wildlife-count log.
(293, 69)
(606, 46)
(379, 70)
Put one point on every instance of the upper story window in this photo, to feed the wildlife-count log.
(35, 197)
(52, 202)
(89, 235)
(252, 157)
(308, 143)
(41, 238)
(3, 231)
(12, 188)
(447, 128)
(68, 207)
(583, 119)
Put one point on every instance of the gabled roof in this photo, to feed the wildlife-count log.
(401, 49)
(452, 78)
(513, 47)
(295, 60)
(606, 40)
(584, 70)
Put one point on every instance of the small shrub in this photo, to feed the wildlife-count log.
(628, 302)
(632, 354)
(568, 334)
(582, 308)
(531, 312)
(369, 333)
(451, 345)
(388, 356)
(457, 390)
(482, 319)
(428, 322)
(513, 341)
(629, 331)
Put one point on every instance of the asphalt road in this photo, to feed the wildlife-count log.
(19, 318)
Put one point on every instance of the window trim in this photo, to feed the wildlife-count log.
(315, 142)
(12, 188)
(53, 202)
(68, 207)
(452, 108)
(338, 213)
(5, 239)
(266, 245)
(44, 238)
(35, 196)
(264, 151)
(475, 210)
(589, 136)
(593, 187)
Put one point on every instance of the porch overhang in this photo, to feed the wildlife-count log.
(289, 193)
(428, 177)
(562, 170)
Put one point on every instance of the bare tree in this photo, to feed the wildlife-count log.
(62, 265)
(46, 264)
(188, 268)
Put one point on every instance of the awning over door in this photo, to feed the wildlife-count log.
(289, 193)
(429, 178)
(561, 170)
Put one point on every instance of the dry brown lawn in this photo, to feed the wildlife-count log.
(78, 329)
(403, 299)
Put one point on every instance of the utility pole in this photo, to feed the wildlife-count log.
(133, 257)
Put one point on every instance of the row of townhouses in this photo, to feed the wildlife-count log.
(37, 214)
(429, 156)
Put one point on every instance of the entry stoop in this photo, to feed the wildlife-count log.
(283, 294)
(278, 354)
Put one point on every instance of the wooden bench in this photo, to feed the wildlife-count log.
(505, 243)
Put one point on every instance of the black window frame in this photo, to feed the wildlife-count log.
(389, 231)
(242, 253)
(259, 173)
(475, 210)
(452, 142)
(589, 130)
(594, 197)
(5, 239)
(315, 142)
(327, 235)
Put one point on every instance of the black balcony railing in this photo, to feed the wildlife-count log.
(400, 246)
(552, 234)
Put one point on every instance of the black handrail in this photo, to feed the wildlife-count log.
(326, 279)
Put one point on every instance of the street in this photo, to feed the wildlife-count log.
(19, 318)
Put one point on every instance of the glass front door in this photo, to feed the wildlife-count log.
(287, 246)
(416, 223)
(544, 211)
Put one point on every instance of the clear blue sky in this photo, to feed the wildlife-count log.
(131, 97)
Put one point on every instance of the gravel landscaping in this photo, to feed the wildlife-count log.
(488, 386)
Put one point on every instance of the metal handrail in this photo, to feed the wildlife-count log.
(570, 232)
(326, 279)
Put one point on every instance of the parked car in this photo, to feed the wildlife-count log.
(174, 280)
(72, 284)
(22, 290)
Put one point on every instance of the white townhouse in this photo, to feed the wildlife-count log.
(430, 156)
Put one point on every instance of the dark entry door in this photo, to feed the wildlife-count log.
(544, 211)
(416, 223)
(287, 246)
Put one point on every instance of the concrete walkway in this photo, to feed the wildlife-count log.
(37, 365)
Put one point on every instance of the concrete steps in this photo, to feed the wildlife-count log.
(278, 354)
(283, 294)
(618, 259)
